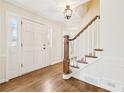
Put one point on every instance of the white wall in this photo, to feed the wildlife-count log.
(93, 10)
(112, 39)
(112, 30)
(55, 50)
(2, 45)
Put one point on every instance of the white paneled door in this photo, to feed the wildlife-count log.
(28, 45)
(35, 53)
(28, 48)
(41, 46)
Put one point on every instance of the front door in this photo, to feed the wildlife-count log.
(27, 46)
(45, 47)
(34, 46)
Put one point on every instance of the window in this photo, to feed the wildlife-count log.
(13, 32)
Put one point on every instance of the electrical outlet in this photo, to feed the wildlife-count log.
(110, 85)
(122, 88)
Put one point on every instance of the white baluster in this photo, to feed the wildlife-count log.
(93, 38)
(80, 47)
(84, 42)
(98, 33)
(88, 39)
(71, 53)
(72, 48)
(95, 34)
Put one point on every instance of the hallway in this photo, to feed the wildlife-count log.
(48, 79)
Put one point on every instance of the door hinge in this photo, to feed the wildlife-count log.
(21, 22)
(21, 65)
(21, 44)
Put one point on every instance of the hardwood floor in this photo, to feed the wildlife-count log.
(48, 79)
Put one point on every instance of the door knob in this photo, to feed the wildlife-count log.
(44, 44)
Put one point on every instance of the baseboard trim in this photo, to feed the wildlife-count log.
(2, 81)
(57, 61)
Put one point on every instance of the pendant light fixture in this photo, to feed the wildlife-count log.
(67, 12)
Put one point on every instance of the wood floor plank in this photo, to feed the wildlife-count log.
(48, 79)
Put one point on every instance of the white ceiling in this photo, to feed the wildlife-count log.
(54, 10)
(51, 9)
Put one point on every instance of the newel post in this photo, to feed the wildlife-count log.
(66, 61)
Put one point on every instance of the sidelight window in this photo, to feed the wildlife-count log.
(13, 32)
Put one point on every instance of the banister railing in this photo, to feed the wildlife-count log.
(66, 61)
(96, 17)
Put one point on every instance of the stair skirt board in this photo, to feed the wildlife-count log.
(111, 85)
(107, 84)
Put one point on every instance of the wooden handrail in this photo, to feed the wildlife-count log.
(85, 27)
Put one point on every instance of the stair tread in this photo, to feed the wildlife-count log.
(74, 67)
(91, 56)
(82, 62)
(98, 49)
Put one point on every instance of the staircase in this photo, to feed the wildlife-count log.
(84, 49)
